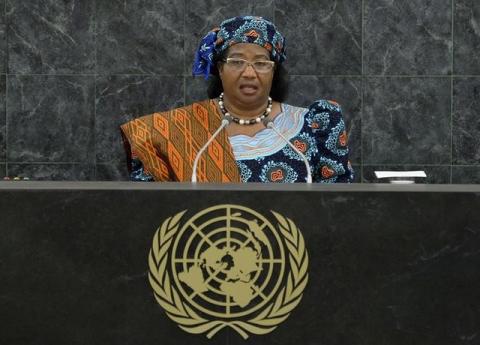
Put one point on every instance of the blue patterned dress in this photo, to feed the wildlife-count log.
(317, 131)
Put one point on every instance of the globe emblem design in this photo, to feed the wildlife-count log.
(228, 261)
(228, 266)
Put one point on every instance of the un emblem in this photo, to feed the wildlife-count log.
(228, 266)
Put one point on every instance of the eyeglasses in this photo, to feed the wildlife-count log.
(239, 65)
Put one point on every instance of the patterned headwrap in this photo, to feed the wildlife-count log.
(245, 29)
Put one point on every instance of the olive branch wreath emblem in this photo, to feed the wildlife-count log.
(190, 321)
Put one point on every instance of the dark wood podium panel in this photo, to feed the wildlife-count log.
(388, 265)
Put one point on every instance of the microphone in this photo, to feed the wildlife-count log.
(225, 122)
(269, 124)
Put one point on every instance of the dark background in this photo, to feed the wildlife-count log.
(407, 74)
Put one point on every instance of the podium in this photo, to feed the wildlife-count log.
(386, 264)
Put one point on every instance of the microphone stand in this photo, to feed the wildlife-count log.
(224, 123)
(269, 124)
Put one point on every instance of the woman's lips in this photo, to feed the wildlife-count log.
(248, 89)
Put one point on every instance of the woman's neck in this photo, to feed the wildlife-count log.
(236, 129)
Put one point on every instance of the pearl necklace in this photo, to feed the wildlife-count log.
(240, 121)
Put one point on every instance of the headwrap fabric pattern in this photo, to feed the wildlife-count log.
(244, 29)
(205, 54)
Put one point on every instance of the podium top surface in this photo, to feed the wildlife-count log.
(294, 187)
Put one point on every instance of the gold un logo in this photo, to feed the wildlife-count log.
(228, 266)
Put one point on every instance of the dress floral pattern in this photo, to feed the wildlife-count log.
(317, 131)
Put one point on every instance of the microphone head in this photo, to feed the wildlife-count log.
(227, 119)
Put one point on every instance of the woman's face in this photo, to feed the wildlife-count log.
(247, 87)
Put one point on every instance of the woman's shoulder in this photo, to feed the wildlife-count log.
(173, 112)
(320, 116)
(186, 109)
(323, 110)
(324, 105)
(321, 105)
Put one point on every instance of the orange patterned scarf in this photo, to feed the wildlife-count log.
(168, 142)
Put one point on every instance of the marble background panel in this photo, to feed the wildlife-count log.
(51, 36)
(466, 121)
(3, 38)
(117, 171)
(467, 37)
(466, 174)
(3, 120)
(50, 119)
(325, 37)
(407, 37)
(3, 170)
(264, 8)
(122, 98)
(406, 121)
(56, 172)
(140, 36)
(195, 89)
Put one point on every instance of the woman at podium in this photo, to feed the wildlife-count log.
(244, 132)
